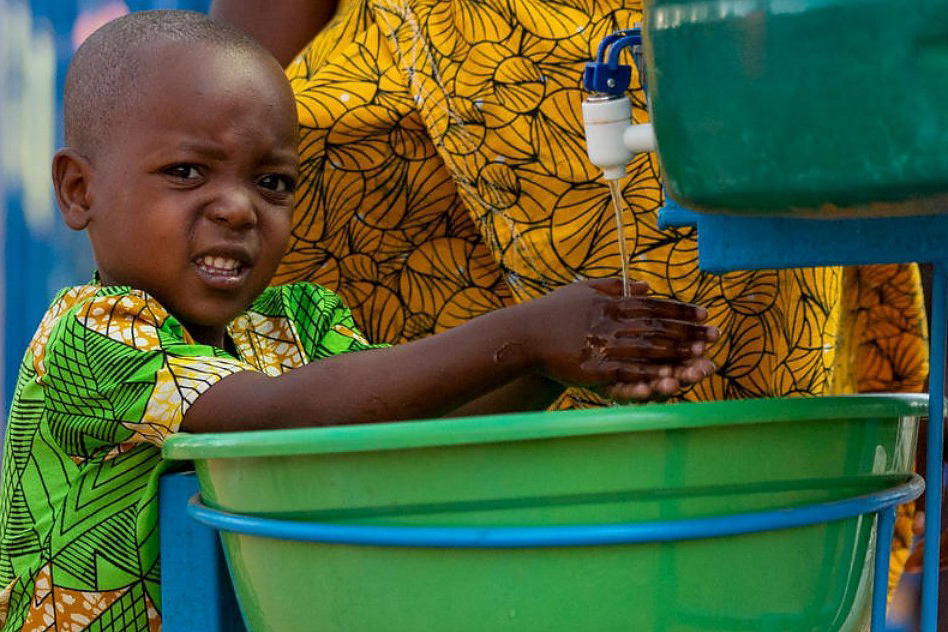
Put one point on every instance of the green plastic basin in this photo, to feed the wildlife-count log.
(823, 107)
(602, 466)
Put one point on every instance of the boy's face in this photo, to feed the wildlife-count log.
(191, 195)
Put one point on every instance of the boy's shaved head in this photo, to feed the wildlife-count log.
(103, 77)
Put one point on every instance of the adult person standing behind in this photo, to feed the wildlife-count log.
(444, 174)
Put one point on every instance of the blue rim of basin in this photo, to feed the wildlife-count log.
(558, 535)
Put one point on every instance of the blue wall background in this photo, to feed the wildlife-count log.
(39, 254)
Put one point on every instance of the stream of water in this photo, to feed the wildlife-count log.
(620, 226)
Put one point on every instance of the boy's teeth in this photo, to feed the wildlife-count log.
(221, 263)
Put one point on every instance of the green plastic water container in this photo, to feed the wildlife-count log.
(822, 107)
(591, 467)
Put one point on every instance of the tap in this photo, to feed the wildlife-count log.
(612, 139)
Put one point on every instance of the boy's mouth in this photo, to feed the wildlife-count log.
(220, 271)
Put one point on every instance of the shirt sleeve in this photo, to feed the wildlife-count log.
(118, 369)
(322, 322)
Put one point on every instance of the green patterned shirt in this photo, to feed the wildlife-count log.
(108, 375)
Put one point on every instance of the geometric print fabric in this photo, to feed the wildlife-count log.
(108, 375)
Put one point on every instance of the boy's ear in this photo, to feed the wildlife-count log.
(72, 173)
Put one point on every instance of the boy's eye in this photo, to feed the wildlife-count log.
(277, 183)
(183, 172)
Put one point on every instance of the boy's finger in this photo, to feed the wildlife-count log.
(633, 372)
(608, 372)
(613, 287)
(641, 391)
(666, 386)
(667, 328)
(649, 349)
(650, 306)
(695, 371)
(640, 382)
(629, 392)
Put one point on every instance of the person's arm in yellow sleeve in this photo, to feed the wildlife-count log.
(284, 27)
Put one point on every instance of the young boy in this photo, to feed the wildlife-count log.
(180, 162)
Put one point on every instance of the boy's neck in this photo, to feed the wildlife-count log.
(203, 334)
(214, 336)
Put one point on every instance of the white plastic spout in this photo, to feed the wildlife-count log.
(611, 138)
(639, 138)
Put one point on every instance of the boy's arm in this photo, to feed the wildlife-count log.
(581, 334)
(416, 380)
(283, 27)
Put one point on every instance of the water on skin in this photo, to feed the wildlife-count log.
(620, 226)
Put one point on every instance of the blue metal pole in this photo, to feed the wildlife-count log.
(935, 453)
(880, 582)
(196, 589)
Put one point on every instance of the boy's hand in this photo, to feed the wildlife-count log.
(626, 348)
(656, 382)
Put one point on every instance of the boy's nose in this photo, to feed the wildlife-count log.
(234, 208)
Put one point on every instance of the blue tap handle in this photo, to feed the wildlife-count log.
(609, 76)
(608, 40)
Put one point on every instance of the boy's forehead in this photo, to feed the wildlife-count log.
(179, 76)
(187, 97)
(182, 63)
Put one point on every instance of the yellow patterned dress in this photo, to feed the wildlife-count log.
(444, 175)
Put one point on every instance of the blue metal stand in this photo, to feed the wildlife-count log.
(885, 528)
(935, 453)
(731, 242)
(196, 591)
